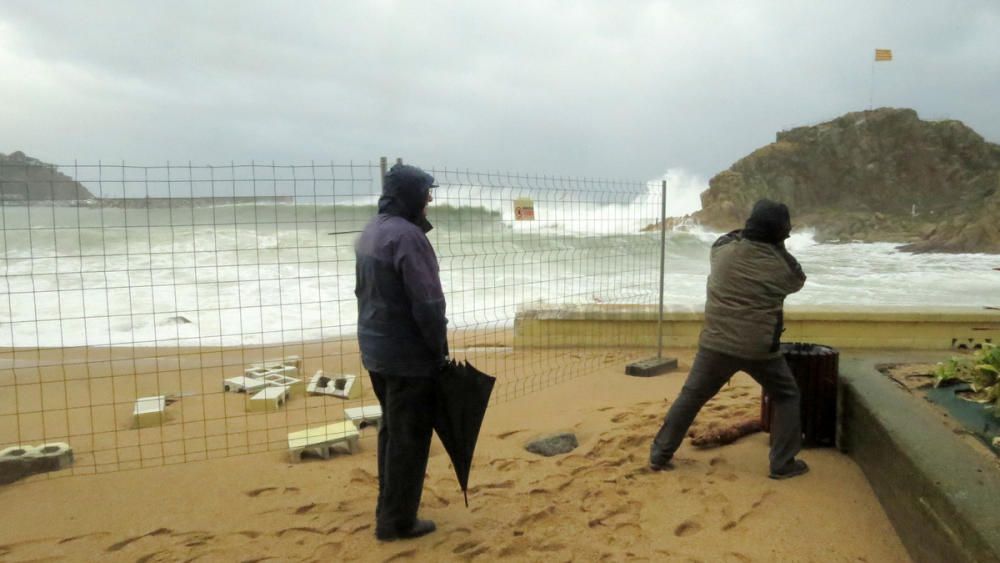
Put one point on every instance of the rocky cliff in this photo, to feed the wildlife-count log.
(23, 178)
(882, 175)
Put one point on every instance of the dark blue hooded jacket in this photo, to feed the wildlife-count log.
(401, 307)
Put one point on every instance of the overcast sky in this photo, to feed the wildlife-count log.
(611, 89)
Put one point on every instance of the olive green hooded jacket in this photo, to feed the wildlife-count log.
(747, 286)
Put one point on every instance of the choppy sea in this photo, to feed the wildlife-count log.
(280, 272)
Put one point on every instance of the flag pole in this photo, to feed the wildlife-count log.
(871, 83)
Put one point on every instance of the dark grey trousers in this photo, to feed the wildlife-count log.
(404, 441)
(711, 370)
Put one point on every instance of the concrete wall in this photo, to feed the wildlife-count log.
(940, 495)
(939, 328)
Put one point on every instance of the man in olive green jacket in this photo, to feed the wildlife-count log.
(751, 274)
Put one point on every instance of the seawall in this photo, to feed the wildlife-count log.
(601, 325)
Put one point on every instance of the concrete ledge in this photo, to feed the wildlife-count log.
(942, 497)
(883, 328)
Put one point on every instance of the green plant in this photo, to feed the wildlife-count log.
(981, 371)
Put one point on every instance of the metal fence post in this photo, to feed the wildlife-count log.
(663, 260)
(659, 364)
(382, 166)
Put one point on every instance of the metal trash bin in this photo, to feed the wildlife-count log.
(816, 369)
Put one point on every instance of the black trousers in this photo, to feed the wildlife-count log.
(404, 441)
(708, 374)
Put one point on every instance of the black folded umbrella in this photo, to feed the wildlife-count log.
(463, 393)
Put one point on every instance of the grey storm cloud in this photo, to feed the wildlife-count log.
(584, 88)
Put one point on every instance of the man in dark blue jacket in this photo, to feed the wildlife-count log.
(403, 340)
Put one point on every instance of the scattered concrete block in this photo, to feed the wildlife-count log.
(17, 462)
(276, 379)
(293, 362)
(344, 386)
(268, 399)
(243, 384)
(651, 366)
(50, 457)
(149, 411)
(14, 463)
(320, 439)
(364, 416)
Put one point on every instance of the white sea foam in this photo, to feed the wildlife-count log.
(103, 281)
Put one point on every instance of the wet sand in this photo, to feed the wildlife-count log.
(598, 502)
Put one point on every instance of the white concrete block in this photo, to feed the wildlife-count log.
(364, 416)
(149, 411)
(14, 463)
(243, 384)
(52, 456)
(277, 379)
(344, 386)
(268, 399)
(320, 439)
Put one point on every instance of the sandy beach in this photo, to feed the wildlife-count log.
(598, 502)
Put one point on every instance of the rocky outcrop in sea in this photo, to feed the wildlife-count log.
(24, 179)
(881, 175)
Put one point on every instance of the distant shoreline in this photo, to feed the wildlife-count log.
(147, 202)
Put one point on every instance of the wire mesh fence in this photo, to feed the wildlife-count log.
(165, 314)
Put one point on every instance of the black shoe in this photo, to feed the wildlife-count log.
(419, 528)
(791, 469)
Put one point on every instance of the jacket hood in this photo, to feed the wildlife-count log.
(404, 194)
(769, 222)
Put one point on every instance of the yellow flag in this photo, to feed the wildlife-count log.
(883, 54)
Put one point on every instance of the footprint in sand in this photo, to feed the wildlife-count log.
(299, 530)
(124, 543)
(306, 508)
(154, 556)
(408, 554)
(361, 476)
(489, 486)
(753, 508)
(74, 538)
(329, 551)
(434, 500)
(505, 464)
(536, 517)
(466, 547)
(719, 467)
(270, 490)
(193, 539)
(621, 417)
(450, 536)
(687, 528)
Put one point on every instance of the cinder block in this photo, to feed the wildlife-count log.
(344, 386)
(50, 457)
(320, 439)
(269, 399)
(17, 462)
(149, 411)
(364, 416)
(243, 384)
(14, 463)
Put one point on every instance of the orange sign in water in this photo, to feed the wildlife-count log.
(524, 209)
